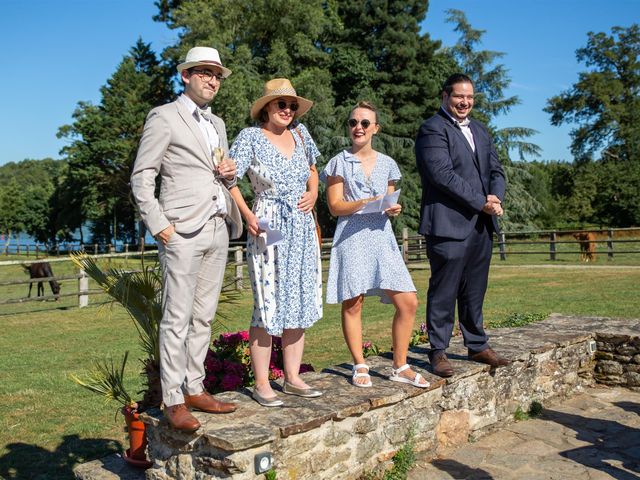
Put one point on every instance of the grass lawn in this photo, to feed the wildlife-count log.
(48, 424)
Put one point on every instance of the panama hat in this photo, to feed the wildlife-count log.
(203, 56)
(276, 88)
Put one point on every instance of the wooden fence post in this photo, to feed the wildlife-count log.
(501, 246)
(610, 245)
(83, 289)
(239, 275)
(552, 246)
(405, 244)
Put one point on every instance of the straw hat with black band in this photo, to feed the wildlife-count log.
(278, 88)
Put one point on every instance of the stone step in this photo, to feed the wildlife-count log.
(351, 430)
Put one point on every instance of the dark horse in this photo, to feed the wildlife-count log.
(42, 270)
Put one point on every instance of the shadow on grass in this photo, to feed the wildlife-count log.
(29, 462)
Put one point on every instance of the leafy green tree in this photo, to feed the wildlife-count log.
(36, 182)
(605, 106)
(12, 210)
(104, 141)
(491, 80)
(605, 102)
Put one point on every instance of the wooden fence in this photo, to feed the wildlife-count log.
(413, 249)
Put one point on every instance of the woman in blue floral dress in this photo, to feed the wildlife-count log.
(279, 157)
(365, 258)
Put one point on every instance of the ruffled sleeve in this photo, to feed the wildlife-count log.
(311, 151)
(394, 171)
(242, 151)
(334, 168)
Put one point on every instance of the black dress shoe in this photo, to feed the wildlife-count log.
(489, 357)
(440, 364)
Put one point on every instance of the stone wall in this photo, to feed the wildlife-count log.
(618, 360)
(352, 430)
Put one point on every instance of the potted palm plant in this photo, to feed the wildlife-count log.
(107, 379)
(140, 293)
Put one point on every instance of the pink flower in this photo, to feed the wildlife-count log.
(366, 345)
(275, 373)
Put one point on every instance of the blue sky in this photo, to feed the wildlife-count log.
(59, 52)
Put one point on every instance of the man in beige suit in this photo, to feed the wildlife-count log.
(192, 221)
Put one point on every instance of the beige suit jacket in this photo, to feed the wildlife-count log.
(173, 146)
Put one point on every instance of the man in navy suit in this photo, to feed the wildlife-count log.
(463, 186)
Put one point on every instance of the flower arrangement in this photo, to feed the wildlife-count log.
(419, 337)
(228, 363)
(369, 349)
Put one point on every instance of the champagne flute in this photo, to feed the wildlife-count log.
(218, 156)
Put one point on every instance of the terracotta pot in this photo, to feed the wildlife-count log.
(137, 452)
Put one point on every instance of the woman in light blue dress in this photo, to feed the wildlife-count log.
(279, 157)
(365, 258)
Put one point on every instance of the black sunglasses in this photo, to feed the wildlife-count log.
(353, 123)
(292, 106)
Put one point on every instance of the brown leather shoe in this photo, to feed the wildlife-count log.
(440, 364)
(489, 357)
(206, 403)
(180, 418)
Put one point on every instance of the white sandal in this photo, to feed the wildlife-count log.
(355, 374)
(396, 377)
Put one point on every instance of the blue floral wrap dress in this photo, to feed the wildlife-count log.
(365, 257)
(286, 278)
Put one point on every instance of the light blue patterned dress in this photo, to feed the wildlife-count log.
(365, 258)
(286, 278)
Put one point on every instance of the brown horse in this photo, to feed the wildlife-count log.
(42, 270)
(587, 241)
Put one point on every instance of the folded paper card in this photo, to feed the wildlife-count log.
(381, 204)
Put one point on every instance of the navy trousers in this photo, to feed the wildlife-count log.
(459, 272)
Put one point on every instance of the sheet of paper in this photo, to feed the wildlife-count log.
(273, 236)
(380, 205)
(371, 207)
(390, 200)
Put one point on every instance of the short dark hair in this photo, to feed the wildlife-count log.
(447, 86)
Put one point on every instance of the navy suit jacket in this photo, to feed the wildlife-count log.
(455, 180)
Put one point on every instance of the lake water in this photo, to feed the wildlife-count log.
(25, 240)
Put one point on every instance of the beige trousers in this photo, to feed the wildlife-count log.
(193, 268)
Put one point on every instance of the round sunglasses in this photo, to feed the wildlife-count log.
(292, 106)
(353, 123)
